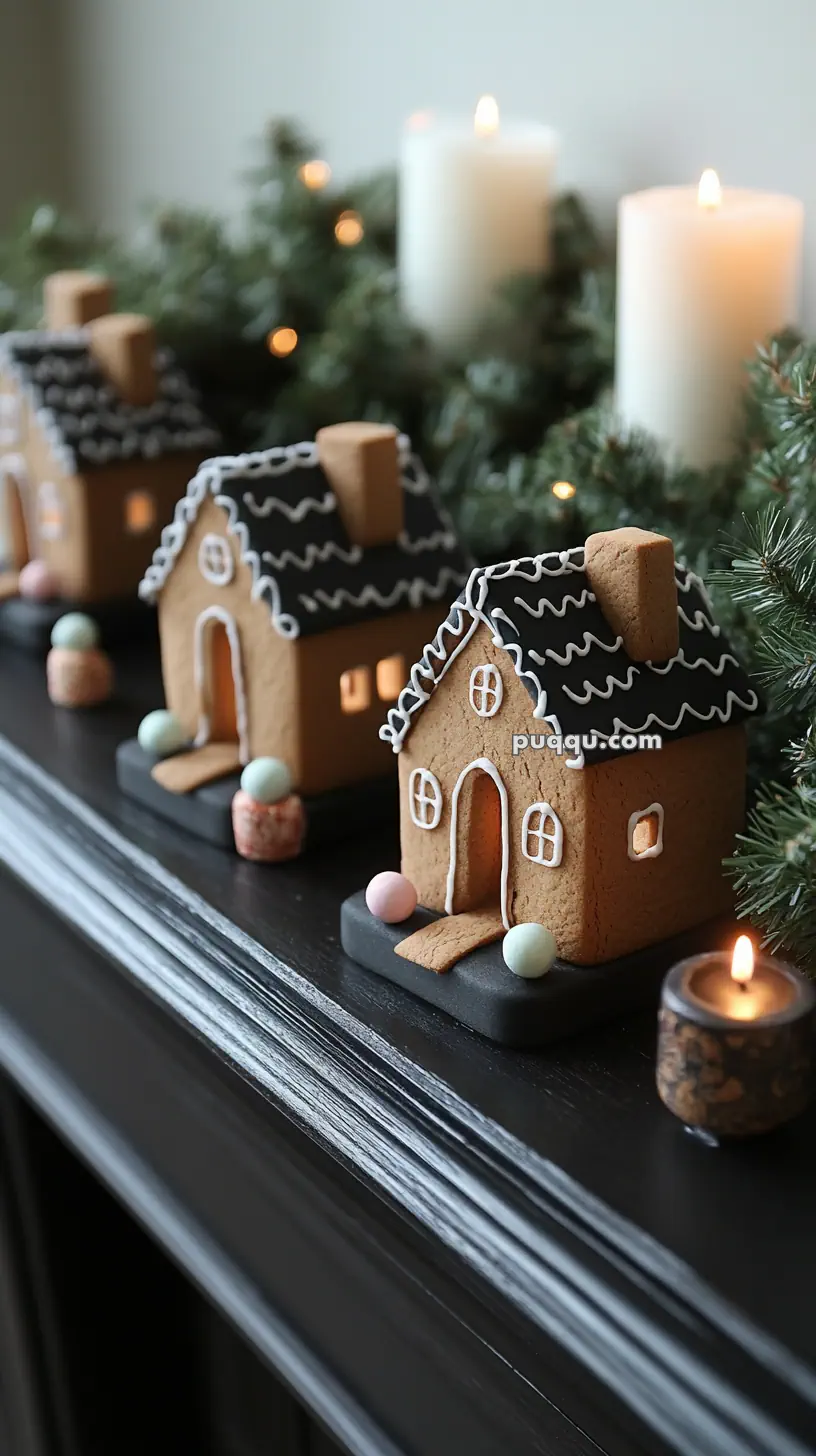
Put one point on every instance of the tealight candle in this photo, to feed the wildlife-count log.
(735, 1042)
(704, 275)
(474, 210)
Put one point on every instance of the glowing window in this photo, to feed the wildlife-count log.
(50, 512)
(140, 512)
(486, 690)
(424, 799)
(646, 832)
(542, 836)
(355, 690)
(390, 677)
(215, 560)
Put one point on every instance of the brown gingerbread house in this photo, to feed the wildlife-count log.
(99, 432)
(294, 587)
(531, 782)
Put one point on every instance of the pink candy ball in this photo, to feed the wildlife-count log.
(37, 581)
(391, 897)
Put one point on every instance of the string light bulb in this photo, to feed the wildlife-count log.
(486, 118)
(563, 490)
(282, 342)
(349, 230)
(315, 174)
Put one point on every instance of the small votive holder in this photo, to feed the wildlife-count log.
(735, 1058)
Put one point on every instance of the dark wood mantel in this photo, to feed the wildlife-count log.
(440, 1246)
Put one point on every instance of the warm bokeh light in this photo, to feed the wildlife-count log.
(563, 490)
(281, 342)
(742, 963)
(314, 175)
(420, 120)
(349, 229)
(709, 193)
(486, 118)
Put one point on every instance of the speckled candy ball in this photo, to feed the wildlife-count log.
(37, 581)
(529, 950)
(75, 631)
(391, 897)
(266, 780)
(161, 733)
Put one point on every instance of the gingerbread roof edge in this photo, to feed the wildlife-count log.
(280, 506)
(543, 613)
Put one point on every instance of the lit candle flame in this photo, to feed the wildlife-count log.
(709, 193)
(486, 119)
(742, 963)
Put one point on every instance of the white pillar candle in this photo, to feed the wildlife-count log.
(704, 275)
(474, 211)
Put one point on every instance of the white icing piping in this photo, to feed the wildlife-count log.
(489, 768)
(634, 819)
(203, 677)
(593, 691)
(486, 680)
(749, 704)
(437, 541)
(313, 553)
(680, 660)
(414, 591)
(573, 650)
(700, 622)
(296, 512)
(567, 601)
(556, 839)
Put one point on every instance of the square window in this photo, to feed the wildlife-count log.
(140, 512)
(390, 677)
(355, 690)
(646, 832)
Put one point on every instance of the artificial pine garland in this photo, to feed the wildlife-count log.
(523, 412)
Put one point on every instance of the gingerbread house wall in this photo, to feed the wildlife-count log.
(63, 541)
(598, 902)
(118, 556)
(268, 662)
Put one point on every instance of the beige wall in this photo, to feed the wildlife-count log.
(32, 155)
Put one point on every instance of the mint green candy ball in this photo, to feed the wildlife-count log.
(161, 733)
(266, 780)
(529, 950)
(76, 631)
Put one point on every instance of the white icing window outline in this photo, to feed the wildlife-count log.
(215, 560)
(418, 800)
(486, 681)
(10, 420)
(542, 835)
(50, 512)
(634, 819)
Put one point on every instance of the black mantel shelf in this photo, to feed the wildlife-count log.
(443, 1247)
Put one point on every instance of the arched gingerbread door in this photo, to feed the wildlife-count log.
(16, 545)
(479, 865)
(220, 681)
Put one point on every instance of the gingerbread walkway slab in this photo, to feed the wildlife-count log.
(185, 772)
(441, 944)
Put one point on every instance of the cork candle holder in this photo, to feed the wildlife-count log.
(735, 1043)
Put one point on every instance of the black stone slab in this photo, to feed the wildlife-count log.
(482, 993)
(335, 815)
(28, 624)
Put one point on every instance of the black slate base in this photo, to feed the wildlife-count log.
(28, 623)
(337, 814)
(483, 993)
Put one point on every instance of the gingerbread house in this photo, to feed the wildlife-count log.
(99, 433)
(572, 752)
(294, 587)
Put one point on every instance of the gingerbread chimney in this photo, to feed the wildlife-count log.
(362, 466)
(631, 573)
(74, 298)
(124, 345)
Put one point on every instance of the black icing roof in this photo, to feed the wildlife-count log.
(82, 416)
(280, 505)
(578, 674)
